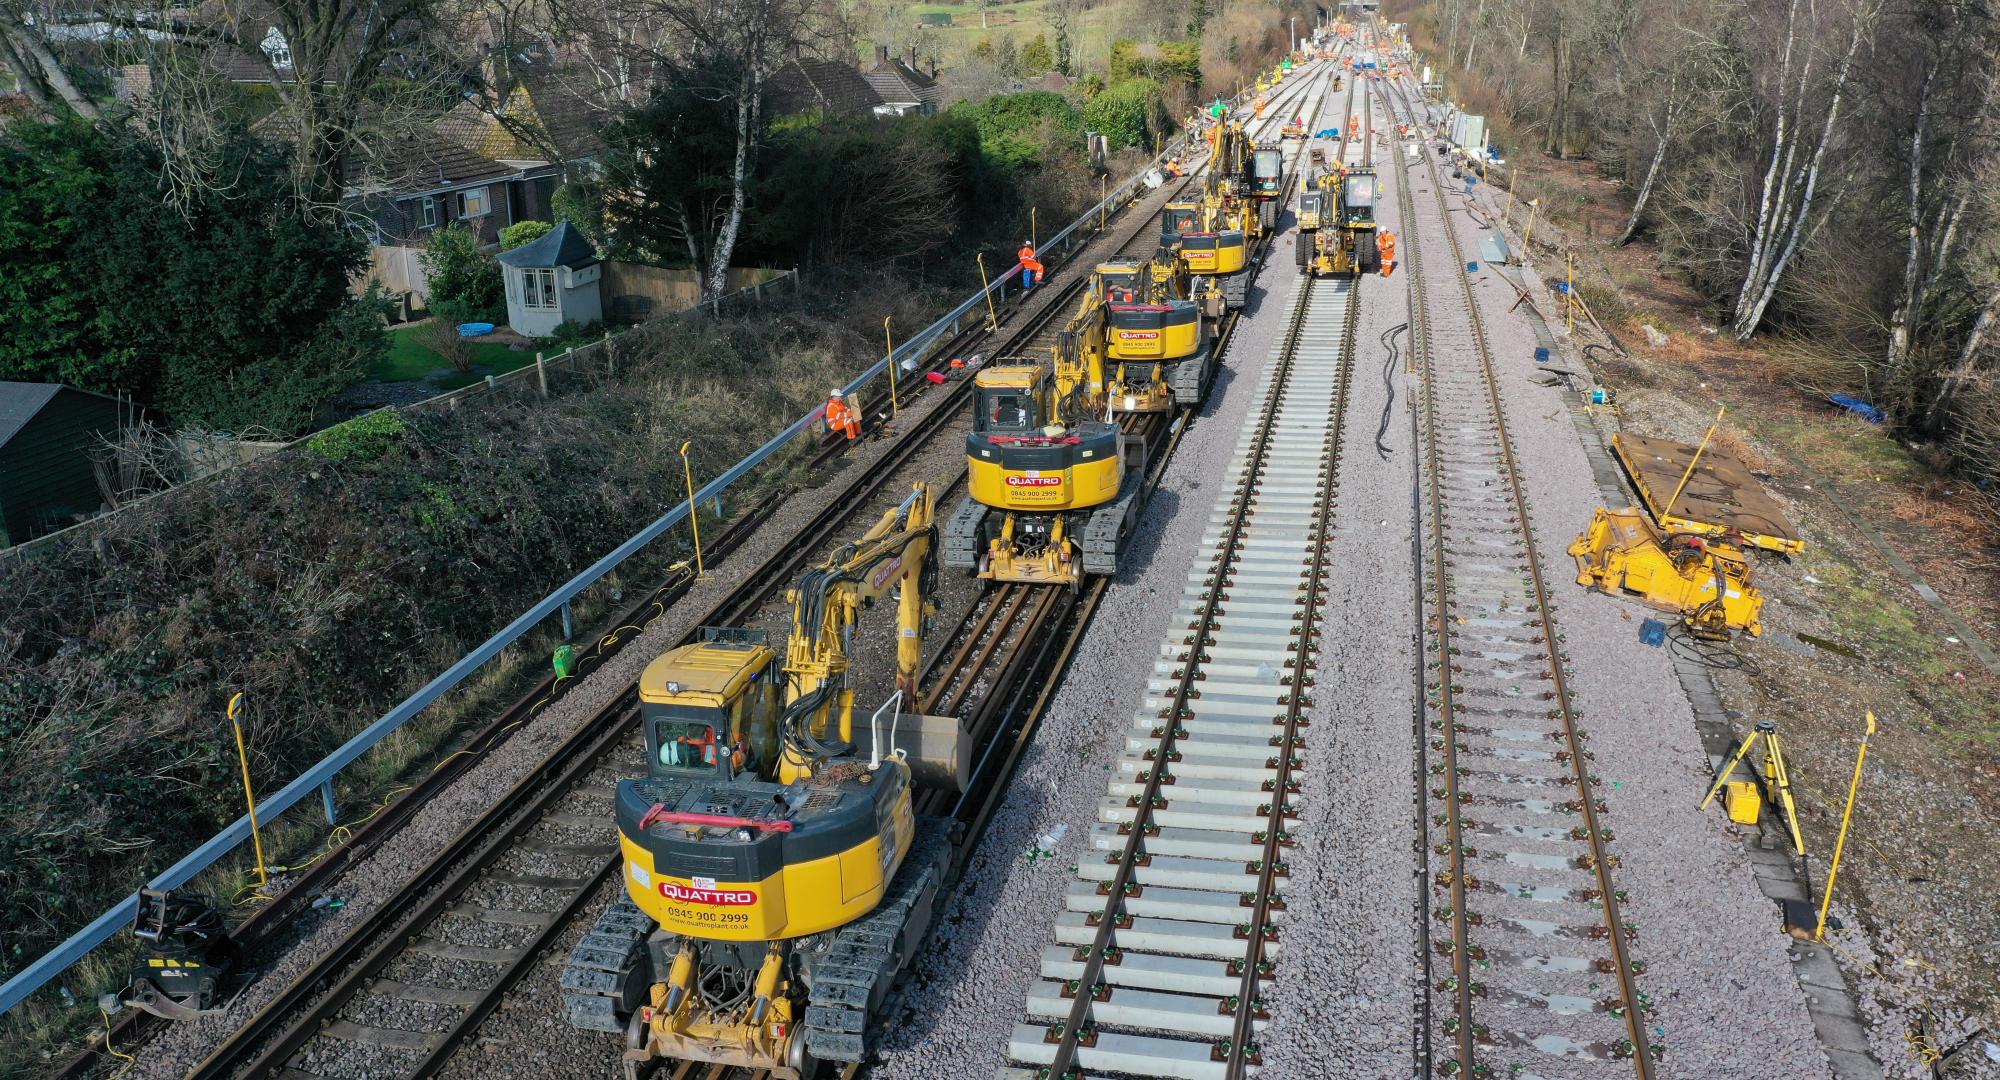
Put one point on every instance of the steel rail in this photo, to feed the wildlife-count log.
(1070, 1032)
(1442, 634)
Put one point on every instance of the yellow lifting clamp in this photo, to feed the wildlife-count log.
(1705, 578)
(1672, 563)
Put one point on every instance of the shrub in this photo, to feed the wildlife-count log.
(574, 335)
(362, 440)
(461, 276)
(441, 332)
(230, 308)
(1036, 56)
(1173, 62)
(1025, 131)
(582, 206)
(523, 233)
(1126, 113)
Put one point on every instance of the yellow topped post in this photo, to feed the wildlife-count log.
(1529, 230)
(889, 343)
(1103, 196)
(1840, 844)
(249, 797)
(1668, 511)
(986, 287)
(1569, 293)
(694, 516)
(1034, 241)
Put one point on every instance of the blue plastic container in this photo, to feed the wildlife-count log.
(474, 329)
(1472, 268)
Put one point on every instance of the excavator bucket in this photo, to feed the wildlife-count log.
(1705, 581)
(937, 749)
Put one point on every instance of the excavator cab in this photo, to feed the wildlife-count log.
(1178, 218)
(1309, 209)
(1267, 175)
(1122, 281)
(1008, 408)
(1358, 191)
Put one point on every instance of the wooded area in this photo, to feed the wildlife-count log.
(1817, 170)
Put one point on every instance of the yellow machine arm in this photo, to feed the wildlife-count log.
(897, 555)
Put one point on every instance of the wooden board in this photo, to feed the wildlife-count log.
(1720, 494)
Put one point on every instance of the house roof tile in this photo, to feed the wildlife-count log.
(809, 83)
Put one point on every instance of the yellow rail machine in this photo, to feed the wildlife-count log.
(776, 874)
(1053, 485)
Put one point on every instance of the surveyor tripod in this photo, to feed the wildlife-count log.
(1777, 777)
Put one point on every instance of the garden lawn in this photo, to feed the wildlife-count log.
(409, 359)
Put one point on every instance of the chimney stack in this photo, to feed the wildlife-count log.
(911, 63)
(881, 56)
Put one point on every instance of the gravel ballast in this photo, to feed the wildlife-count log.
(1719, 975)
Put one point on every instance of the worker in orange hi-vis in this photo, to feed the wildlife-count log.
(1385, 246)
(842, 417)
(1031, 269)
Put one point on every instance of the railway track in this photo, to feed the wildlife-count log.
(400, 995)
(1530, 968)
(1161, 955)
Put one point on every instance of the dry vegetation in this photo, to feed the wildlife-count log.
(327, 583)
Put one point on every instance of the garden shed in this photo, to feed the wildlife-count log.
(46, 433)
(552, 281)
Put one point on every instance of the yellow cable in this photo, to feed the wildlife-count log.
(128, 1059)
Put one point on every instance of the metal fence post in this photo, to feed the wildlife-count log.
(569, 628)
(326, 800)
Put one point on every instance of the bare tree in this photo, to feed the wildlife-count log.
(755, 37)
(1946, 161)
(1787, 198)
(27, 52)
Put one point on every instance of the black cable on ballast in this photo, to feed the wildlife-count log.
(1389, 383)
(1719, 657)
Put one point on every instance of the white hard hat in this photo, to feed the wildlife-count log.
(836, 392)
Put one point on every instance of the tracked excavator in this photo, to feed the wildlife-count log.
(1053, 485)
(1158, 340)
(1341, 237)
(1212, 236)
(776, 875)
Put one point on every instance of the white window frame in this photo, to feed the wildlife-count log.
(539, 291)
(484, 196)
(427, 213)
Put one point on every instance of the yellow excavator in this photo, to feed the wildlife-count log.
(1053, 486)
(1211, 236)
(777, 877)
(1158, 342)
